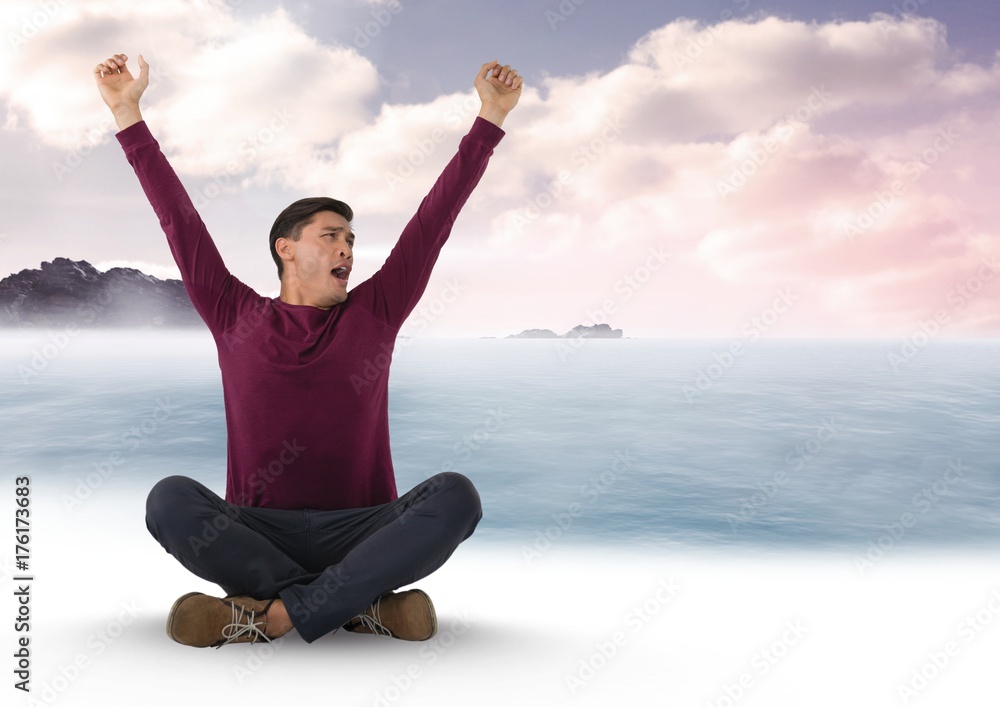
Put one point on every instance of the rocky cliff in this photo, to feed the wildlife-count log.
(74, 293)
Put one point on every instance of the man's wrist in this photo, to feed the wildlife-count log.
(127, 116)
(493, 113)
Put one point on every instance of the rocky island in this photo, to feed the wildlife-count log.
(75, 293)
(597, 331)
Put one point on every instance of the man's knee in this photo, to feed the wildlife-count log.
(171, 503)
(165, 495)
(462, 494)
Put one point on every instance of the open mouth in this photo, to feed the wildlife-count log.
(340, 274)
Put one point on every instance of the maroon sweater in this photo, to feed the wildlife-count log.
(306, 389)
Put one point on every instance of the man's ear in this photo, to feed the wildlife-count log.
(285, 249)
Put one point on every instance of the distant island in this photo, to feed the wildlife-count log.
(68, 292)
(597, 331)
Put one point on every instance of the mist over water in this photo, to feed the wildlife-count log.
(794, 444)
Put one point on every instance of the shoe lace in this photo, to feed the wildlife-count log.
(373, 622)
(243, 624)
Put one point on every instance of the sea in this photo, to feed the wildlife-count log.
(840, 445)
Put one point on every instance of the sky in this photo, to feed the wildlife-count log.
(674, 169)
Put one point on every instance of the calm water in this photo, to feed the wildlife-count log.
(797, 443)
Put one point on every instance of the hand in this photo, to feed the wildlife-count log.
(120, 90)
(499, 88)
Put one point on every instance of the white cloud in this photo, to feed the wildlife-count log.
(227, 95)
(817, 120)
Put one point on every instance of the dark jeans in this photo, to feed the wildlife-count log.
(326, 566)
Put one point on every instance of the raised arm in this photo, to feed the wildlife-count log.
(395, 289)
(216, 294)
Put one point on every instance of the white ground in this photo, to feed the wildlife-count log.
(574, 626)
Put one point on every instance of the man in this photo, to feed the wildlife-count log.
(311, 534)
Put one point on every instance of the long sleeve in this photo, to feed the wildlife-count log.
(393, 291)
(216, 294)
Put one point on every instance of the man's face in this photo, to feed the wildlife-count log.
(321, 260)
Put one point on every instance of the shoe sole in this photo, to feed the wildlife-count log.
(430, 605)
(173, 612)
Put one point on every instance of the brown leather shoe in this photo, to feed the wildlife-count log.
(203, 621)
(408, 615)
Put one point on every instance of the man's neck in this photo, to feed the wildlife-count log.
(291, 295)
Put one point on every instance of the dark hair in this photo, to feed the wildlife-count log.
(290, 221)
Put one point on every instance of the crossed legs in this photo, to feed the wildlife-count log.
(322, 567)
